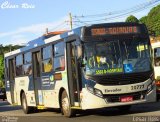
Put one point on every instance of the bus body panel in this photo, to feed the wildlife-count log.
(8, 94)
(51, 96)
(25, 84)
(122, 89)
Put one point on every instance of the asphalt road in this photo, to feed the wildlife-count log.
(139, 113)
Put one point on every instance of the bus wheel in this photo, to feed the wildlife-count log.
(65, 105)
(25, 107)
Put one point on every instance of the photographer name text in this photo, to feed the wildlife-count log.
(8, 5)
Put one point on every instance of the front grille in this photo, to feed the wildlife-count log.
(121, 79)
(117, 97)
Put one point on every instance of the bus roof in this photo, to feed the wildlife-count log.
(44, 39)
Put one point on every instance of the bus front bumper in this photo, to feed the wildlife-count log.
(91, 101)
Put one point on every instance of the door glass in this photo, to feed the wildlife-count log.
(11, 70)
(36, 64)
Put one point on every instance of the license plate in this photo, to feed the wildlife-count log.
(126, 99)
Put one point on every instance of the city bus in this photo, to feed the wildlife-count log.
(156, 57)
(90, 67)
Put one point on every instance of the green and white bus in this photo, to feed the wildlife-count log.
(97, 66)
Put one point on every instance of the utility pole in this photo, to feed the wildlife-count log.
(46, 31)
(70, 20)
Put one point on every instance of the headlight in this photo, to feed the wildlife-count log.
(95, 91)
(98, 92)
(150, 86)
(90, 89)
(152, 77)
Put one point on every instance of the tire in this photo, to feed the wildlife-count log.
(66, 106)
(125, 108)
(26, 108)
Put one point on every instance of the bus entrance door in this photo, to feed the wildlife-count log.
(36, 57)
(73, 74)
(12, 80)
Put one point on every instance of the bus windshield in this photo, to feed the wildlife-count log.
(103, 56)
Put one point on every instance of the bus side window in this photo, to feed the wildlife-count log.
(47, 59)
(59, 59)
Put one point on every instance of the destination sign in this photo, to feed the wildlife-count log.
(114, 30)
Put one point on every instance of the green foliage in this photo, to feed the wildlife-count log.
(132, 18)
(1, 84)
(8, 48)
(143, 20)
(4, 49)
(153, 21)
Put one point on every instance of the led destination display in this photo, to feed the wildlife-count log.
(114, 30)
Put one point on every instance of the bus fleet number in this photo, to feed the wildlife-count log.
(137, 87)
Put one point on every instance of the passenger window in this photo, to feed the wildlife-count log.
(27, 58)
(47, 60)
(27, 63)
(59, 49)
(59, 59)
(27, 69)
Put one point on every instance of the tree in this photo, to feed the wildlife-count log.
(5, 49)
(152, 20)
(143, 20)
(1, 84)
(1, 71)
(132, 18)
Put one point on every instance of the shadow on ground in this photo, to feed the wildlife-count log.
(135, 109)
(5, 106)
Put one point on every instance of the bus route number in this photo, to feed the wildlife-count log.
(137, 87)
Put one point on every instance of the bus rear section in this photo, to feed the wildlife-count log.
(156, 58)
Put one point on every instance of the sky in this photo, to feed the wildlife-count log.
(24, 20)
